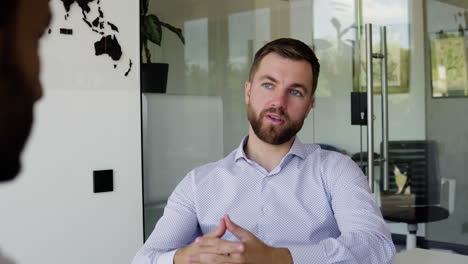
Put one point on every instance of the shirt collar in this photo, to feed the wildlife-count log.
(240, 150)
(297, 149)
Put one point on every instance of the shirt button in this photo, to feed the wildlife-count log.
(265, 210)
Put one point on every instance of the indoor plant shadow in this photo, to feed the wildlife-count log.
(153, 75)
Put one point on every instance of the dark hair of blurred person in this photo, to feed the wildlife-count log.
(22, 22)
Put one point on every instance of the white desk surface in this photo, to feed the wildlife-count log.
(419, 255)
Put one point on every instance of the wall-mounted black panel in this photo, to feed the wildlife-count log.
(359, 108)
(103, 181)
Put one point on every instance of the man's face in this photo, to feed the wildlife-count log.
(20, 87)
(279, 98)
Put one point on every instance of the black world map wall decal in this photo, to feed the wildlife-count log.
(106, 44)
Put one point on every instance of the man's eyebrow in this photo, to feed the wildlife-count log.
(268, 77)
(298, 85)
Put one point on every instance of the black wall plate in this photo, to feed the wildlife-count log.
(103, 181)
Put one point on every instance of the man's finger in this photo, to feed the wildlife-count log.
(212, 258)
(238, 231)
(218, 231)
(219, 246)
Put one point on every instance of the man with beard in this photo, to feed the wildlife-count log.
(274, 199)
(22, 22)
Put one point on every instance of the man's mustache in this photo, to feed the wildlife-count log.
(279, 111)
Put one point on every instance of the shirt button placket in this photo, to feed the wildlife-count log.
(264, 193)
(262, 209)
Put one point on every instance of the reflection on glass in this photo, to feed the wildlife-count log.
(196, 55)
(448, 61)
(446, 29)
(394, 15)
(448, 43)
(244, 38)
(334, 37)
(301, 19)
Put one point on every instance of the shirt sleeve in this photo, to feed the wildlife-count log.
(365, 237)
(177, 228)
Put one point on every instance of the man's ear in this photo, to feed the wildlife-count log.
(311, 105)
(247, 88)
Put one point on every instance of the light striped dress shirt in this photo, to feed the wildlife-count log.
(316, 203)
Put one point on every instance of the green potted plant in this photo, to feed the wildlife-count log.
(153, 75)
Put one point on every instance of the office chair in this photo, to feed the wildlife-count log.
(410, 202)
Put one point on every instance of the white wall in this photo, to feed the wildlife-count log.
(89, 119)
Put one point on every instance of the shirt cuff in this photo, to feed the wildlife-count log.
(167, 257)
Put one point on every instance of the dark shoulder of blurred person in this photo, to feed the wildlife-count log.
(22, 22)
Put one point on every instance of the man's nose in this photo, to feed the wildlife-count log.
(36, 92)
(279, 99)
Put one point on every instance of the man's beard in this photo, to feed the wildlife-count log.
(273, 134)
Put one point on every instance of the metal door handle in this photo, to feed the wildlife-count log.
(370, 108)
(383, 45)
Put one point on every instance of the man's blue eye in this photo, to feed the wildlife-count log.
(267, 85)
(296, 93)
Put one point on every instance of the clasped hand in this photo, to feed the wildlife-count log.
(210, 248)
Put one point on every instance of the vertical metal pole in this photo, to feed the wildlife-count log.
(383, 45)
(357, 49)
(370, 108)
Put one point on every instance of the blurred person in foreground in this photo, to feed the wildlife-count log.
(22, 23)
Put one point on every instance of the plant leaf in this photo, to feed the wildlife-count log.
(152, 29)
(336, 23)
(353, 26)
(144, 7)
(176, 30)
(344, 31)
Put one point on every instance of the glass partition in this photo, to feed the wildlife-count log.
(202, 117)
(221, 40)
(447, 129)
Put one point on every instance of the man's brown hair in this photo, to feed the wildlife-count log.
(291, 49)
